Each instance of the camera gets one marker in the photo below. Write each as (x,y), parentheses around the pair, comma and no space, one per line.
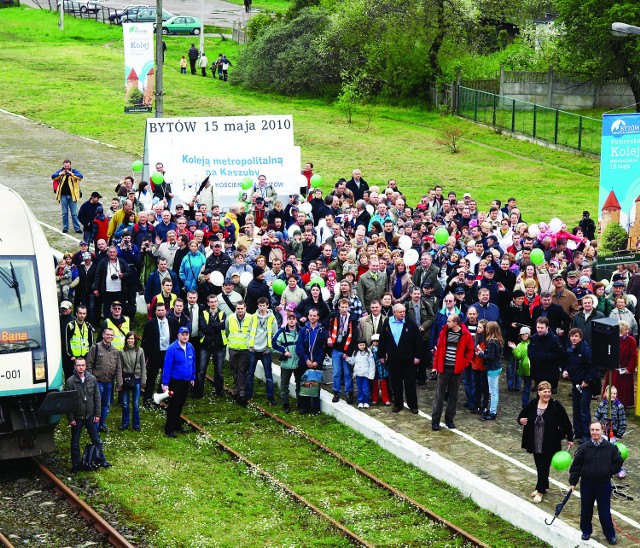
(114,276)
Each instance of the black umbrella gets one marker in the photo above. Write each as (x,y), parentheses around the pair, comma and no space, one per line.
(560,506)
(203,183)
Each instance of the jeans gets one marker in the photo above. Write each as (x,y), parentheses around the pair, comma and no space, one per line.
(362,383)
(285,379)
(341,369)
(133,396)
(76,431)
(581,412)
(68,204)
(265,358)
(106,391)
(86,236)
(589,493)
(526,390)
(218,376)
(492,379)
(513,380)
(468,381)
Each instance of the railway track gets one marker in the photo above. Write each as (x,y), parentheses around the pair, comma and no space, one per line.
(101,530)
(393,493)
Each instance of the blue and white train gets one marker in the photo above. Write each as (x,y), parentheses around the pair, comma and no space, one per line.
(30,347)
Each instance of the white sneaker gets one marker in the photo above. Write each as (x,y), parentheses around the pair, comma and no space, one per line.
(366,406)
(360,405)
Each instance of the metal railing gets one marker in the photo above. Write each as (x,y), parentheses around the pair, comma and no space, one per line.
(546,124)
(85,10)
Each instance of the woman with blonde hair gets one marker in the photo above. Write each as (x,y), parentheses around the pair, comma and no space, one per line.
(400,282)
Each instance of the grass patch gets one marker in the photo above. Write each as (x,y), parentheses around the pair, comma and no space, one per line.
(279,6)
(188,485)
(75,82)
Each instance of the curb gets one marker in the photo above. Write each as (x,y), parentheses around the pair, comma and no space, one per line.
(508,506)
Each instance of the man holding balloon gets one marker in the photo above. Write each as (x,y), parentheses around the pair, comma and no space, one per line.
(594,463)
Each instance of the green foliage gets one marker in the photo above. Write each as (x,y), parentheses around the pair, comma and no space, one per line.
(591,46)
(614,238)
(503,39)
(286,58)
(134,97)
(257,24)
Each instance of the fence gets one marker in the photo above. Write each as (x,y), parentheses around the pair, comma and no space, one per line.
(238,33)
(543,123)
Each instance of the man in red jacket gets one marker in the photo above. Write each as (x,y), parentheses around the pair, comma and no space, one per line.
(453,353)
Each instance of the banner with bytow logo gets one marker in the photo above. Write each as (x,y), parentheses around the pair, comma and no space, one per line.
(139,72)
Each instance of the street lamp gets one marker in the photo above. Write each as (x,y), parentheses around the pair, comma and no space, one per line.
(622,29)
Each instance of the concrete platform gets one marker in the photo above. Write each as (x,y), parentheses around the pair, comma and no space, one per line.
(485,462)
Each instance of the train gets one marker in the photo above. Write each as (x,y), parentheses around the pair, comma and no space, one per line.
(31,377)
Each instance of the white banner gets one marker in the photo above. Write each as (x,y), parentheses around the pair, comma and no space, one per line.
(139,73)
(226,149)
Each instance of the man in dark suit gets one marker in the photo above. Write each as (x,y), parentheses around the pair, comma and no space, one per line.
(400,348)
(357,185)
(559,321)
(159,333)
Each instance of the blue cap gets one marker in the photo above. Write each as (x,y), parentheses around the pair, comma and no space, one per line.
(183,330)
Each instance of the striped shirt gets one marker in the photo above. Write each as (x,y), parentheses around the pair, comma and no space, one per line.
(453,338)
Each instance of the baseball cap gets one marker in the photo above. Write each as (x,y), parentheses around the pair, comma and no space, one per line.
(179,206)
(116,303)
(375,337)
(66,305)
(183,330)
(618,283)
(96,195)
(228,281)
(556,276)
(470,276)
(525,330)
(467,195)
(217,243)
(427,285)
(573,274)
(83,242)
(489,268)
(458,290)
(584,280)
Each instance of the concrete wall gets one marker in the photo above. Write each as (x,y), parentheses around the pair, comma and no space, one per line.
(565,93)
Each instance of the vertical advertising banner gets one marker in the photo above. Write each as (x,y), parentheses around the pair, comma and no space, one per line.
(619,204)
(139,74)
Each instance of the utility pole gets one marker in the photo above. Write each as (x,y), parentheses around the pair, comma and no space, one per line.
(61,11)
(159,62)
(201,26)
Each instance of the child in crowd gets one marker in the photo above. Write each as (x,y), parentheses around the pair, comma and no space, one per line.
(479,374)
(493,367)
(63,279)
(183,65)
(523,367)
(618,421)
(364,368)
(379,383)
(284,341)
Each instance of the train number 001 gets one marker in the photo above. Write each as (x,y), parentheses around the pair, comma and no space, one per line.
(10,374)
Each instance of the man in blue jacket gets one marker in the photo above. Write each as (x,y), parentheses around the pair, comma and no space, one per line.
(178,376)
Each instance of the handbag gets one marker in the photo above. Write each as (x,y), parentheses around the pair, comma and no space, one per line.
(129,380)
(310,383)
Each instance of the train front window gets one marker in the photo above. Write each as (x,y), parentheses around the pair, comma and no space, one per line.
(20,316)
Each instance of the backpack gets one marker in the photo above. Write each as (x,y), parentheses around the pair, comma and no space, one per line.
(90,458)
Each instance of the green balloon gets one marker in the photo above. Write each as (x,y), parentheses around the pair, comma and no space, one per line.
(279,286)
(247,183)
(624,452)
(561,460)
(137,165)
(316,280)
(316,180)
(442,235)
(537,256)
(157,178)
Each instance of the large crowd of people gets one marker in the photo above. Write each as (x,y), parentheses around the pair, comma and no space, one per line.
(353,276)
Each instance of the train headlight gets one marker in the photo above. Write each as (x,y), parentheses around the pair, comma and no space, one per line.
(39,367)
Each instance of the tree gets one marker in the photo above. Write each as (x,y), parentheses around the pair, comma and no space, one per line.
(590,45)
(614,238)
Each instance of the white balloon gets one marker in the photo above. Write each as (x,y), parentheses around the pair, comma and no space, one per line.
(292,230)
(302,181)
(571,245)
(533,230)
(370,209)
(555,225)
(305,207)
(322,223)
(245,278)
(326,294)
(216,278)
(410,257)
(404,242)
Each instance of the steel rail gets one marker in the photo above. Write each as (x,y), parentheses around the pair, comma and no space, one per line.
(350,535)
(379,482)
(85,510)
